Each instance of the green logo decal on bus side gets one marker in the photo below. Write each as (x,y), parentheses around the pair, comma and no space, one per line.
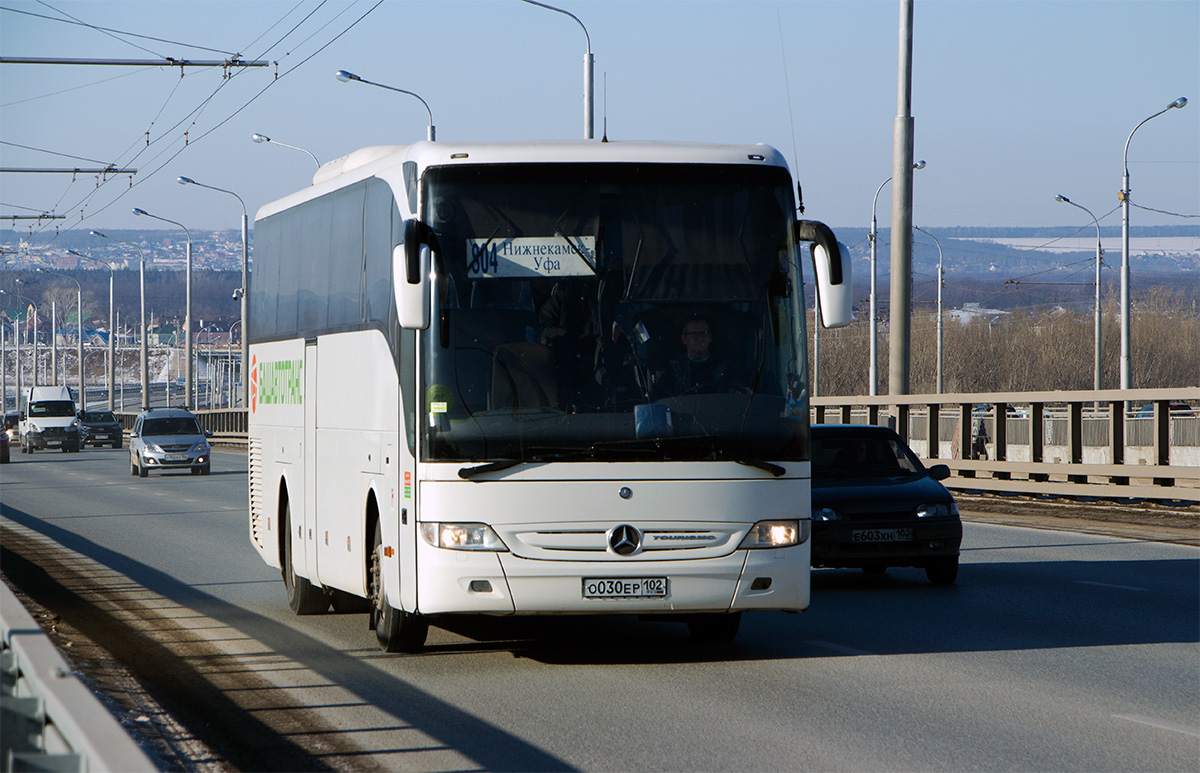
(279,382)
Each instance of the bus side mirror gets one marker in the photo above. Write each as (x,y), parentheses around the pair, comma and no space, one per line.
(831,262)
(410,277)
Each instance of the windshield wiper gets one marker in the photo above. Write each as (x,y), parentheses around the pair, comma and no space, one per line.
(466,473)
(714,453)
(774,469)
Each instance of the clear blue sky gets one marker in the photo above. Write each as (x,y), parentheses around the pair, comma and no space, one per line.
(1013,101)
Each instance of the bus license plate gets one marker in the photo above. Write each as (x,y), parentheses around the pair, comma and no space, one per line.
(882,535)
(624,588)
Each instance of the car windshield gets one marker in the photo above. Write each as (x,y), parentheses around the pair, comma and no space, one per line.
(632,312)
(862,456)
(98,417)
(52,408)
(172,425)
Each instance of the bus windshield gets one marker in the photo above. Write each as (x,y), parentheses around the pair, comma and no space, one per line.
(613,312)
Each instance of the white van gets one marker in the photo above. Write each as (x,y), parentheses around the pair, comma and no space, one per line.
(49,420)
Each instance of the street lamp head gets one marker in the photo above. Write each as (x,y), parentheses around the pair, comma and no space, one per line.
(1062,198)
(260,138)
(345,75)
(1178,103)
(185,180)
(919,165)
(97,233)
(137,211)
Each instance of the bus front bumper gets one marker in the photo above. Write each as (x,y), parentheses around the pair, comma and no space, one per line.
(466,582)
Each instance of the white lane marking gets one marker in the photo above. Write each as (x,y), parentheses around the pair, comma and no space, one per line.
(1108,585)
(1160,723)
(837,648)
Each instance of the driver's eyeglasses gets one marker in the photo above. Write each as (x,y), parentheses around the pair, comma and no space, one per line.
(696,334)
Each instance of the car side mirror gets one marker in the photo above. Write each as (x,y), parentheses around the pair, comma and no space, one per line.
(939,472)
(208,433)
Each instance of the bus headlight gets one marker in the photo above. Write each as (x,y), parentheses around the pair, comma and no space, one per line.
(776,534)
(462,536)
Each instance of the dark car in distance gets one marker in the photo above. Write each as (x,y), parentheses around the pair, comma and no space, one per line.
(100,428)
(12,421)
(874,505)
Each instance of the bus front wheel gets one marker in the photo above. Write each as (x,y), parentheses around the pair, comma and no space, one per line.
(303,598)
(395,629)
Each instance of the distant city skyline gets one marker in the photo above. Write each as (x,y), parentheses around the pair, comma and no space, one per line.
(1014,102)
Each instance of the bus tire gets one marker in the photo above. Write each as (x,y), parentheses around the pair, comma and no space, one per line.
(303,598)
(720,627)
(395,629)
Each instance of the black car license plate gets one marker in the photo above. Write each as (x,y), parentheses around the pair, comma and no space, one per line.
(881,535)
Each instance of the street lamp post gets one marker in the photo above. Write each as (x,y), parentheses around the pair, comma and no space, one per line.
(144,367)
(112,357)
(873,365)
(264,138)
(1124,197)
(940,274)
(17,337)
(35,335)
(188,394)
(242,373)
(242,291)
(1099,254)
(78,331)
(54,342)
(345,76)
(589,65)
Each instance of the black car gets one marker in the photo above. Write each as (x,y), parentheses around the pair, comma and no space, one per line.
(874,505)
(100,428)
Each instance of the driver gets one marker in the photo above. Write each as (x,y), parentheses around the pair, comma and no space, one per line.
(697,369)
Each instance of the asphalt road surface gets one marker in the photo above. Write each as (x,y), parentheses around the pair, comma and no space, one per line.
(1054,651)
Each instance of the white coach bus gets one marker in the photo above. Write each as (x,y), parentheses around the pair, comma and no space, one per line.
(537,378)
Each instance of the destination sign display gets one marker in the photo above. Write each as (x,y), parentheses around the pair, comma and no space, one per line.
(531,257)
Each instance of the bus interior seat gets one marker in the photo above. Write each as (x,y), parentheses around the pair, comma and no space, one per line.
(477,334)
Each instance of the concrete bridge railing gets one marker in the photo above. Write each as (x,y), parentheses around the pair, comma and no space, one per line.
(1137,443)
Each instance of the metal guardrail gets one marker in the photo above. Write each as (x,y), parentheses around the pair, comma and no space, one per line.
(1085,443)
(49,719)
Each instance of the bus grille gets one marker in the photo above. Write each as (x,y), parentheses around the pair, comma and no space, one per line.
(257,505)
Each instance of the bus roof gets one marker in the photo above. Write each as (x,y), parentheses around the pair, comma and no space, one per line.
(377,160)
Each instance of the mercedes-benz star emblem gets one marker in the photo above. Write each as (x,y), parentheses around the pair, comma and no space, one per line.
(625,540)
